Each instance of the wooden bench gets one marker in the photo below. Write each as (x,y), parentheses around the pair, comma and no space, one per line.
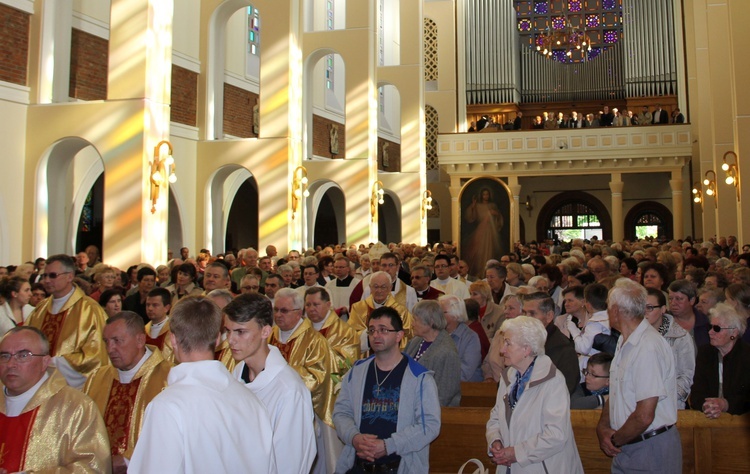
(708,446)
(478,394)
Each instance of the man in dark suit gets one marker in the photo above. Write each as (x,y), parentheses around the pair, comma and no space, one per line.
(659,116)
(677,116)
(517,121)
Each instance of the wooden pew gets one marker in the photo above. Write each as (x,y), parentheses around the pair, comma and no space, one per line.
(708,446)
(478,394)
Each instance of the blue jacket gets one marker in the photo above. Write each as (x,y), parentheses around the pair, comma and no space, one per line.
(418,416)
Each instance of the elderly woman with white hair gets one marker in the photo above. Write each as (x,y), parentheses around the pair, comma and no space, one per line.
(529,429)
(434,349)
(467,341)
(722,368)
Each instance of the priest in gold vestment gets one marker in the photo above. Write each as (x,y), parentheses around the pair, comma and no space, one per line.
(380,295)
(71,321)
(341,337)
(121,391)
(309,353)
(45,425)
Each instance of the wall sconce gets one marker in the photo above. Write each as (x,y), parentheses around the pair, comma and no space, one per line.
(426,203)
(697,193)
(732,171)
(162,170)
(711,186)
(376,198)
(299,187)
(528,205)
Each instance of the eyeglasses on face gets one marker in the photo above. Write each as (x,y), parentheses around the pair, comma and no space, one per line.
(380,287)
(53,275)
(251,287)
(373,331)
(286,311)
(585,373)
(21,356)
(651,307)
(716,327)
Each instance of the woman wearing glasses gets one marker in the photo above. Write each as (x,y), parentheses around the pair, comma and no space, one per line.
(679,340)
(16,291)
(722,369)
(529,429)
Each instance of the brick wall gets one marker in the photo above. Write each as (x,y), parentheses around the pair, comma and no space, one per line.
(322,137)
(14,45)
(88,66)
(184,97)
(238,111)
(394,155)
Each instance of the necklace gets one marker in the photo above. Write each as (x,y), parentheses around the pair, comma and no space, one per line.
(377,381)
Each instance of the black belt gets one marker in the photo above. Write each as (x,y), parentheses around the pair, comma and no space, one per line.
(372,467)
(650,434)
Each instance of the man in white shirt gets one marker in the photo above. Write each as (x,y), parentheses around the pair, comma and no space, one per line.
(199,423)
(637,424)
(248,320)
(310,275)
(342,286)
(443,280)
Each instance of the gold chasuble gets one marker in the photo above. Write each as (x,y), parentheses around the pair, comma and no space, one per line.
(223,354)
(309,353)
(343,340)
(123,405)
(162,341)
(360,314)
(74,333)
(59,428)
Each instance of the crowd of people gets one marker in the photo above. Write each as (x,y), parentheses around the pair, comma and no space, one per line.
(341,358)
(572,119)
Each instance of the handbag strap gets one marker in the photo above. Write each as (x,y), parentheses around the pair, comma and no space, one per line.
(481,469)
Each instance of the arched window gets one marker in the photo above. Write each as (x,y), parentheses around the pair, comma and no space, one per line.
(573,215)
(648,219)
(575,220)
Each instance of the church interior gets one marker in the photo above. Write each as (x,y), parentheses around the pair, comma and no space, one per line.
(142,126)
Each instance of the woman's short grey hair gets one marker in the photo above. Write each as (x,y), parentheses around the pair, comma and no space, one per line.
(730,315)
(430,313)
(536,279)
(297,299)
(454,307)
(285,268)
(526,331)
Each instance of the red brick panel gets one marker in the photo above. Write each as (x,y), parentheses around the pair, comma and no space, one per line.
(394,155)
(238,111)
(89,56)
(322,137)
(14,45)
(184,97)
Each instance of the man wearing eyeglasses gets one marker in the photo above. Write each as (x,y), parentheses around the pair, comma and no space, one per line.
(444,282)
(637,423)
(401,291)
(44,424)
(307,352)
(71,321)
(388,410)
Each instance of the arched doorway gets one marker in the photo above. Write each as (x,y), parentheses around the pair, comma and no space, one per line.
(90,228)
(242,220)
(648,219)
(67,172)
(389,219)
(328,217)
(573,215)
(231,209)
(174,230)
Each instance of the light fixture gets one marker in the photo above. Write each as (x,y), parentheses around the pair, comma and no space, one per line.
(426,203)
(376,197)
(711,186)
(299,187)
(732,171)
(162,170)
(697,193)
(562,36)
(528,205)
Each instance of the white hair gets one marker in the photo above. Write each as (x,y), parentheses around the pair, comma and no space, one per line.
(526,331)
(454,307)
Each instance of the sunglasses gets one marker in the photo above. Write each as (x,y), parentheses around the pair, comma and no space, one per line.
(716,327)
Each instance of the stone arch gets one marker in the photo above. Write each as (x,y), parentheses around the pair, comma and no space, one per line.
(315,127)
(58,207)
(222,188)
(573,197)
(658,214)
(328,202)
(389,218)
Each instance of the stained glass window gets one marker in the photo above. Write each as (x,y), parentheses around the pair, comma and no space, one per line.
(253,31)
(329,59)
(599,21)
(575,220)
